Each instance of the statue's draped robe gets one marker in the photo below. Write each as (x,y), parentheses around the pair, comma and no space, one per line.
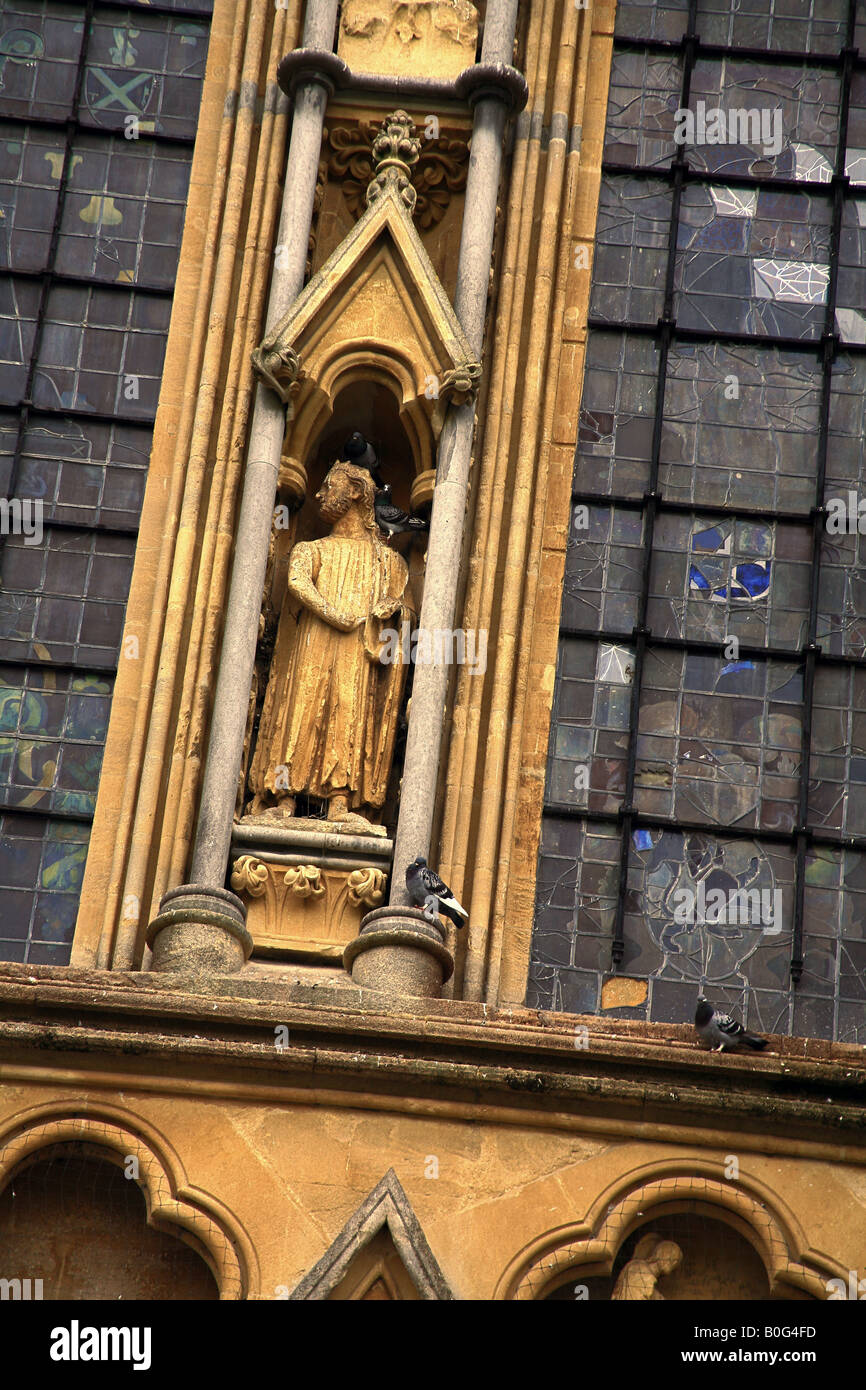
(330,715)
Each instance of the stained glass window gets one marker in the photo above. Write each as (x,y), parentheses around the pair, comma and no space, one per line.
(705,807)
(97,124)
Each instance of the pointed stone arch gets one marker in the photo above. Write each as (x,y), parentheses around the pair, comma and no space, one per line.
(383,1219)
(590,1246)
(375,312)
(172,1206)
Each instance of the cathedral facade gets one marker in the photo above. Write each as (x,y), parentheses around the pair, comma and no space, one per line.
(434,433)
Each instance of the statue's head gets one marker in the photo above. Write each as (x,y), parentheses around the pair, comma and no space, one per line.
(666,1256)
(345,486)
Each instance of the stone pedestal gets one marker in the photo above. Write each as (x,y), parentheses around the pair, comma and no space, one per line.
(306,890)
(199,932)
(400,951)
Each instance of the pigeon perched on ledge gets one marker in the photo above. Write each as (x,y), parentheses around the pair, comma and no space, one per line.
(362,454)
(427,891)
(391,519)
(722,1031)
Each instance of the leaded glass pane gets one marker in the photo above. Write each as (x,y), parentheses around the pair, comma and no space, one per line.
(714,578)
(37,924)
(102,350)
(837,771)
(804,26)
(30,163)
(64,600)
(740,426)
(752,261)
(588,745)
(603,564)
(630,249)
(770,122)
(146,67)
(615,428)
(39,51)
(719,740)
(642,105)
(123,215)
(81,471)
(52,729)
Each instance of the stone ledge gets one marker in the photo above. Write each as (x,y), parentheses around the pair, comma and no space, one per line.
(224,1013)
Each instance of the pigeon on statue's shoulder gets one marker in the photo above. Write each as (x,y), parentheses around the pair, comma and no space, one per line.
(393,520)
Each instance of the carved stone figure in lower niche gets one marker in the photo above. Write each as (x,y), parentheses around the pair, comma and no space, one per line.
(653,1257)
(331,709)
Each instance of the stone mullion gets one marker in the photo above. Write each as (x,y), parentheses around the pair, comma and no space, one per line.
(562,368)
(176,653)
(253,532)
(488,872)
(447,523)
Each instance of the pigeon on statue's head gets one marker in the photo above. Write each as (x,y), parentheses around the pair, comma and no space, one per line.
(721,1031)
(361,453)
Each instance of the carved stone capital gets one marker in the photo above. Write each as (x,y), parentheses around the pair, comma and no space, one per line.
(366,887)
(304,881)
(308,911)
(250,876)
(439,172)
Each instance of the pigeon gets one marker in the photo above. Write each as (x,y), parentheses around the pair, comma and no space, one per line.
(362,454)
(427,891)
(721,1030)
(391,519)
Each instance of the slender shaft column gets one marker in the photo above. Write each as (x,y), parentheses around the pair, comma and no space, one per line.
(238,654)
(444,550)
(200,929)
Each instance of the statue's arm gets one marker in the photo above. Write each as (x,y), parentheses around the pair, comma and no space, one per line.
(394,599)
(302,585)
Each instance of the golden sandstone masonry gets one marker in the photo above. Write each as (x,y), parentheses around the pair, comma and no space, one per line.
(321,1091)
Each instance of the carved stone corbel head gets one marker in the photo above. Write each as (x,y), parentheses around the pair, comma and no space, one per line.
(278,367)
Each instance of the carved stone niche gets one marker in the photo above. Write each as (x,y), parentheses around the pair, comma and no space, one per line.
(375,315)
(405,38)
(305,900)
(371,344)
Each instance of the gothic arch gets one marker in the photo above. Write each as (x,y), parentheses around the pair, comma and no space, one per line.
(664,1189)
(172,1204)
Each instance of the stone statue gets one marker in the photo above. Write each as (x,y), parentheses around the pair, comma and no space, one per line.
(330,714)
(652,1258)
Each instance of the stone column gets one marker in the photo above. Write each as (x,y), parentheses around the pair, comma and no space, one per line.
(399,950)
(202,920)
(493,87)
